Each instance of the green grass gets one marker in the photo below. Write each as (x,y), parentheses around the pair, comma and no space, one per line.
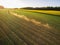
(44,18)
(17,31)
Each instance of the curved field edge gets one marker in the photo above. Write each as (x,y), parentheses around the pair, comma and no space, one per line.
(53,21)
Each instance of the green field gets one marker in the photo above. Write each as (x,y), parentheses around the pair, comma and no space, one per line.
(23,27)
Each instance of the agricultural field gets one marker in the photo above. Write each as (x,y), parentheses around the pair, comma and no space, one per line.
(28,27)
(51,12)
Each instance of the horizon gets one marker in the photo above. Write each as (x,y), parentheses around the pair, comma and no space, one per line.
(29,3)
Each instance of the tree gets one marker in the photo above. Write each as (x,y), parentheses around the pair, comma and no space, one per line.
(1,7)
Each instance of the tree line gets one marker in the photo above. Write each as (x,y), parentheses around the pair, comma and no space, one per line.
(42,8)
(37,8)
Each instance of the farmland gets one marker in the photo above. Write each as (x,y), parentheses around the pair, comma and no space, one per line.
(25,27)
(53,12)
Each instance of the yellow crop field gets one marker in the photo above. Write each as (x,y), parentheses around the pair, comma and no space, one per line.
(53,12)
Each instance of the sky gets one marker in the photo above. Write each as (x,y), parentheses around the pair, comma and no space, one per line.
(29,3)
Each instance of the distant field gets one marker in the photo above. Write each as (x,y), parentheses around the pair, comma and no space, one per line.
(53,12)
(25,27)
